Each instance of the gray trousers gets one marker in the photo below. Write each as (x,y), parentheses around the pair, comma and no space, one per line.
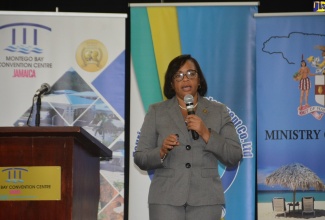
(186,212)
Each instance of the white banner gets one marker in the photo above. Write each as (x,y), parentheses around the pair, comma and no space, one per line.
(81,57)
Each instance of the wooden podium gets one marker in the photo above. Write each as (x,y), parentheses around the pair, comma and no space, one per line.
(74,150)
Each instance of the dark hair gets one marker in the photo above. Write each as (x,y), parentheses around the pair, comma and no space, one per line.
(173,67)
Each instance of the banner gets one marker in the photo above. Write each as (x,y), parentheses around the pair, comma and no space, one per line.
(290,108)
(222,38)
(81,58)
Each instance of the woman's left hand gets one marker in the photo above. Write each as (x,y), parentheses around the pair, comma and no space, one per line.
(195,123)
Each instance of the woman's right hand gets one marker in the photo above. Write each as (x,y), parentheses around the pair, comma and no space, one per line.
(168,144)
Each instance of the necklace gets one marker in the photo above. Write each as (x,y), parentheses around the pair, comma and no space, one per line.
(186,108)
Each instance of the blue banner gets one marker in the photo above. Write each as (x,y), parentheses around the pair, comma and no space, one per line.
(290,108)
(224,45)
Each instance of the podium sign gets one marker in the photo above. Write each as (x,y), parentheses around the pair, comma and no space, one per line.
(30,183)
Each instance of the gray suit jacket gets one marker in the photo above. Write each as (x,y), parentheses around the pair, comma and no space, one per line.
(189,174)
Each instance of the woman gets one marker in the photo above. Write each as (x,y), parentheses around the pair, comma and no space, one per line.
(186,184)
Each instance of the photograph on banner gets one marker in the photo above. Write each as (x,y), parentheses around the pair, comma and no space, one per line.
(56,72)
(290,108)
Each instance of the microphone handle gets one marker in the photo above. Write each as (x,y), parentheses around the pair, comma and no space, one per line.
(195,135)
(38,111)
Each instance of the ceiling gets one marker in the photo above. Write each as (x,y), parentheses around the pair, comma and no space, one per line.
(122,6)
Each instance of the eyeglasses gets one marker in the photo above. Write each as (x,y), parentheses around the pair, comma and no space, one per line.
(190,74)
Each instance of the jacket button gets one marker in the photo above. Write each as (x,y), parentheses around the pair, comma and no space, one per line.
(188,165)
(188,147)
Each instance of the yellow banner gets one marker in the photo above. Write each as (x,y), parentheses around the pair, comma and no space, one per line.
(165,37)
(30,183)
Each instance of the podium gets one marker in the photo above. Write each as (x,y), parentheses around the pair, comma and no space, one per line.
(74,150)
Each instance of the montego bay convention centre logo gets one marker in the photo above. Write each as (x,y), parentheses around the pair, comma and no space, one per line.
(22,52)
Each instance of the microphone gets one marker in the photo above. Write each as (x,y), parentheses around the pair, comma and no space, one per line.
(45,88)
(188,99)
